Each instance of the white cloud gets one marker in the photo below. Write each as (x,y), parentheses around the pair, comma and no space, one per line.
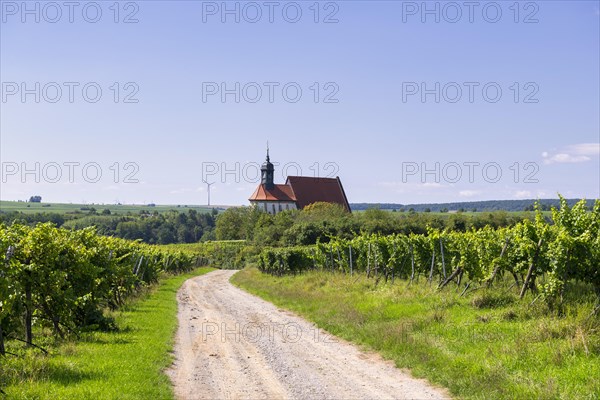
(575,153)
(180,191)
(469,193)
(522,194)
(565,158)
(585,149)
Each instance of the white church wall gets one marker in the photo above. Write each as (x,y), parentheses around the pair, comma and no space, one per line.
(274,207)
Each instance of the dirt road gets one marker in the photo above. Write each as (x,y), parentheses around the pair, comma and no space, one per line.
(233,345)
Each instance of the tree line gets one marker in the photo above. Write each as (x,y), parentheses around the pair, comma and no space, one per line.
(473,206)
(150,227)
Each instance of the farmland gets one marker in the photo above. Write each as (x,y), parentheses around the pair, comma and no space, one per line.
(74,209)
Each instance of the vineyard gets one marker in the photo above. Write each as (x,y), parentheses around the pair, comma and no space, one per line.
(62,279)
(540,257)
(226,254)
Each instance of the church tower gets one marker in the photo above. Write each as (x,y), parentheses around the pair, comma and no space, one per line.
(267,172)
(296,193)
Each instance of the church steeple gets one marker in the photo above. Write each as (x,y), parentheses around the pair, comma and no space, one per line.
(267,172)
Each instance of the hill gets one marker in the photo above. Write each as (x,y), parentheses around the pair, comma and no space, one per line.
(487,205)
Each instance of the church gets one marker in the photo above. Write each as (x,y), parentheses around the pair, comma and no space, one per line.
(297,192)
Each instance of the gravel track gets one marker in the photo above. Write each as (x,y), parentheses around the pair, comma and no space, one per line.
(233,345)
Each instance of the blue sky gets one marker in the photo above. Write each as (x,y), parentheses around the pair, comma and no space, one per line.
(367,122)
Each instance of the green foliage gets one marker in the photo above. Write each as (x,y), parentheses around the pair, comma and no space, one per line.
(575,251)
(127,362)
(226,254)
(279,261)
(320,211)
(318,222)
(152,227)
(236,223)
(565,251)
(64,278)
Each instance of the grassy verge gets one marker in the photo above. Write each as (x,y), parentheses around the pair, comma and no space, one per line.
(483,345)
(125,364)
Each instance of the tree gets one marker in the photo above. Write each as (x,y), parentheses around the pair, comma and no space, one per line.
(322,210)
(235,223)
(35,199)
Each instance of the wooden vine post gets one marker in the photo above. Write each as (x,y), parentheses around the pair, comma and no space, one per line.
(412,261)
(28,310)
(443,262)
(369,262)
(350,258)
(432,264)
(530,270)
(331,255)
(491,279)
(375,261)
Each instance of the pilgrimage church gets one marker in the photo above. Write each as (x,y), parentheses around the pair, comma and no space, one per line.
(297,192)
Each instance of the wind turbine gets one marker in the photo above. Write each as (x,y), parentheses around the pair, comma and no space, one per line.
(208,185)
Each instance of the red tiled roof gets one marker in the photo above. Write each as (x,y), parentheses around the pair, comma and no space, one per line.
(308,190)
(278,193)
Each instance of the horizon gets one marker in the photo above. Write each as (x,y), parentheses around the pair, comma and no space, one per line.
(248,205)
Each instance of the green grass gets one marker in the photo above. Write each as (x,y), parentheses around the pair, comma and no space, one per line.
(484,345)
(126,364)
(63,208)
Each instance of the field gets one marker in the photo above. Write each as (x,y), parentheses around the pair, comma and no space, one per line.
(64,208)
(482,345)
(123,364)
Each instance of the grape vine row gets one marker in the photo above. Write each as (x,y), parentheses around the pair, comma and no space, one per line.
(63,279)
(567,249)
